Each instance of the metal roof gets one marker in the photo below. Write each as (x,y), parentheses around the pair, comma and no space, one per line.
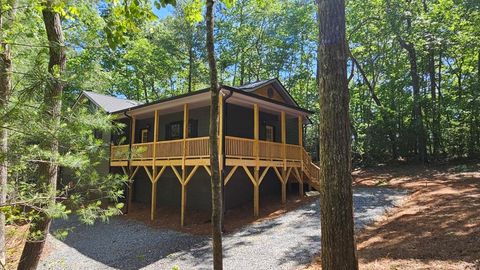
(109,103)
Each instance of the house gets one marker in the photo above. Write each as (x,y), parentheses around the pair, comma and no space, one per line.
(166,155)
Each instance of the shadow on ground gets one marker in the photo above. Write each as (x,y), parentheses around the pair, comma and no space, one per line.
(439,222)
(285,242)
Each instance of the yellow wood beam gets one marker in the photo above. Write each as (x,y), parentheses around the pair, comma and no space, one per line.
(175,171)
(300,181)
(150,176)
(183,205)
(249,174)
(289,170)
(190,175)
(134,172)
(160,173)
(284,138)
(263,175)
(256,203)
(153,207)
(132,130)
(207,169)
(256,133)
(230,174)
(256,196)
(278,174)
(300,131)
(284,192)
(155,138)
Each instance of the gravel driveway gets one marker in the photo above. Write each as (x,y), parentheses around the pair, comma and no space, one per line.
(286,242)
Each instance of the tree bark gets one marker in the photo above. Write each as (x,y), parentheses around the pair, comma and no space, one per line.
(420,140)
(6,20)
(216,180)
(336,207)
(190,62)
(52,111)
(435,111)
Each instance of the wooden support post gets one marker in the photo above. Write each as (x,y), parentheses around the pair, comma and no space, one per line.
(284,139)
(256,189)
(185,134)
(130,181)
(300,143)
(300,189)
(256,123)
(154,179)
(184,204)
(153,209)
(283,129)
(256,152)
(256,204)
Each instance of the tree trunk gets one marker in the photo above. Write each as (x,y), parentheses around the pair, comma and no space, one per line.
(435,112)
(420,140)
(216,181)
(6,20)
(336,207)
(52,111)
(190,64)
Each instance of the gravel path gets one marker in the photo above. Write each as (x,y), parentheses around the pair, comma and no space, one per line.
(286,242)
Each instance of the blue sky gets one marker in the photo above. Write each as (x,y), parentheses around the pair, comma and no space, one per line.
(163,12)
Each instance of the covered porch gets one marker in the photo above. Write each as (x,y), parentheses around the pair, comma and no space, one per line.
(252,137)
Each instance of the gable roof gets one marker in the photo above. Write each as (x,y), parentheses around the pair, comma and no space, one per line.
(109,104)
(116,105)
(252,87)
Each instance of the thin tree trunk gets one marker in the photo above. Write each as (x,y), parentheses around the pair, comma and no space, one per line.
(336,208)
(435,112)
(6,20)
(420,140)
(190,64)
(52,111)
(216,180)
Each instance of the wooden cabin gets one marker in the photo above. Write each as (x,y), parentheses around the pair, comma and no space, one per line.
(164,148)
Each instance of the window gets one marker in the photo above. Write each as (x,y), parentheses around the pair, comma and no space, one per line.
(270,92)
(269,133)
(174,130)
(144,137)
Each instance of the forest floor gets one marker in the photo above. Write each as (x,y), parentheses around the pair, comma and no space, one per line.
(436,227)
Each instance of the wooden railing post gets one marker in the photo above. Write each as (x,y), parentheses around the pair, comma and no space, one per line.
(300,144)
(256,120)
(185,133)
(154,168)
(256,152)
(130,180)
(284,139)
(184,171)
(284,156)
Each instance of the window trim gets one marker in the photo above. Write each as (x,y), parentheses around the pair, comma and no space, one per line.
(142,132)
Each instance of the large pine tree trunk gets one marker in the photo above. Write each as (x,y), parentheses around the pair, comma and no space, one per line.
(52,111)
(6,20)
(5,87)
(216,180)
(336,206)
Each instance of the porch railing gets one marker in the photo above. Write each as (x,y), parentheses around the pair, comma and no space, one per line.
(235,147)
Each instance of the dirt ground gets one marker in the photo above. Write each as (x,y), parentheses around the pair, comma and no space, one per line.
(436,227)
(198,222)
